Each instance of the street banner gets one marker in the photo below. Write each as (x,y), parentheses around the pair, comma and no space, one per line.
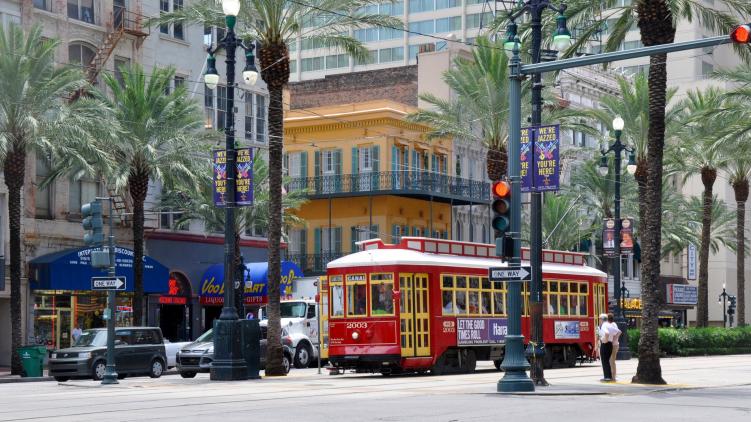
(243,177)
(547,142)
(627,236)
(540,169)
(608,237)
(691,262)
(481,330)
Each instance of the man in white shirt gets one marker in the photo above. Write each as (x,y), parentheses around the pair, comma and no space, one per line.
(615,334)
(606,348)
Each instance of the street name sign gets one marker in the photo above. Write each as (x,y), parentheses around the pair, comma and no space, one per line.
(108,283)
(522,273)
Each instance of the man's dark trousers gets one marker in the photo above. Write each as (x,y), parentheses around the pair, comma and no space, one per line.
(606,349)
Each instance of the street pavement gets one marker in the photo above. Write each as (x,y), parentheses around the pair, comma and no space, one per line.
(699,389)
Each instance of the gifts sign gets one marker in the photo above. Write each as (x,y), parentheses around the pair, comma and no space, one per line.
(540,168)
(243,177)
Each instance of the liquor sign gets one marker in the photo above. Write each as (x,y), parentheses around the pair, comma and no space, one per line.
(481,330)
(243,177)
(608,237)
(544,173)
(682,294)
(691,262)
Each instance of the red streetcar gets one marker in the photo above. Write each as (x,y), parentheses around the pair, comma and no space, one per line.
(427,304)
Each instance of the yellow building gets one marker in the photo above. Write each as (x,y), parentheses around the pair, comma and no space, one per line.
(369,173)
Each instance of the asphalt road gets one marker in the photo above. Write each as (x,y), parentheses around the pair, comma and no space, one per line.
(705,388)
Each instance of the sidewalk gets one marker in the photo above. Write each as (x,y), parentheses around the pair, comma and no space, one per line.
(6,377)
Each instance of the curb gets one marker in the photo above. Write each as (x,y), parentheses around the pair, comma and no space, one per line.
(10,380)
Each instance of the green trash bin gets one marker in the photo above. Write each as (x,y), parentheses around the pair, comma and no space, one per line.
(32,359)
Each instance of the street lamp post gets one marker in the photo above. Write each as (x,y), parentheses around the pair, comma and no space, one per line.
(229,363)
(723,297)
(561,41)
(617,148)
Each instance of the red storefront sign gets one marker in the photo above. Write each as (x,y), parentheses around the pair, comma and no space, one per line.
(173,300)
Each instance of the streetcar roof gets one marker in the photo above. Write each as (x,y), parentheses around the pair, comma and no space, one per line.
(384,257)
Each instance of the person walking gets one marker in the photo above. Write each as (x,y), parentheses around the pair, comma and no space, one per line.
(615,335)
(606,348)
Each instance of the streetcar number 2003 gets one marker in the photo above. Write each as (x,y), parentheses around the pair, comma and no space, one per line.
(351,325)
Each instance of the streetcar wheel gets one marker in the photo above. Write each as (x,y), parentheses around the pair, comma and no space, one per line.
(547,358)
(188,374)
(470,362)
(571,356)
(440,366)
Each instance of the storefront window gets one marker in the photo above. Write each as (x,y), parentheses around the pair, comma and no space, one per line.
(381,287)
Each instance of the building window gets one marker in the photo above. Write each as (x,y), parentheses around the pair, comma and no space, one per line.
(337,61)
(82,10)
(477,20)
(80,54)
(458,234)
(260,118)
(372,58)
(312,64)
(81,192)
(329,166)
(221,107)
(177,28)
(446,4)
(416,6)
(164,8)
(43,4)
(121,65)
(42,197)
(421,27)
(179,81)
(706,69)
(394,54)
(208,104)
(452,23)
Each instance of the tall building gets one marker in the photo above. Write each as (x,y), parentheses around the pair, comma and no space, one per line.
(105,37)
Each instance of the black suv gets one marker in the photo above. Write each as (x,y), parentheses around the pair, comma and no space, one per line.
(138,351)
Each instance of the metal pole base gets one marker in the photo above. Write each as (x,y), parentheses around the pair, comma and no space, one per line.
(110,376)
(229,362)
(624,353)
(515,366)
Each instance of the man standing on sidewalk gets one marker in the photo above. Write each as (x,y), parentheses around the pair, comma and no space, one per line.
(606,348)
(615,334)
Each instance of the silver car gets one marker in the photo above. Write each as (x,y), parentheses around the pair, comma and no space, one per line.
(197,356)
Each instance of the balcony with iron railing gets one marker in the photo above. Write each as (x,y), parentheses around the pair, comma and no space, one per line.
(314,264)
(415,184)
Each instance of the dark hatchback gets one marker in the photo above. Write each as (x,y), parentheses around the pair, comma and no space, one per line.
(138,351)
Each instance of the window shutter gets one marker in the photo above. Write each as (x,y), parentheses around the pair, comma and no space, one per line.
(355,160)
(338,240)
(433,163)
(338,170)
(317,240)
(376,166)
(317,171)
(304,164)
(415,162)
(395,233)
(303,242)
(394,157)
(374,232)
(353,234)
(286,165)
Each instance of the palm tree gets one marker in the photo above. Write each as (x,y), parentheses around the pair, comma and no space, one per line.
(36,117)
(700,153)
(739,171)
(273,24)
(561,226)
(197,203)
(160,132)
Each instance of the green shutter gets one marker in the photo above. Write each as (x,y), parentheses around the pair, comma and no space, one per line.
(338,170)
(374,232)
(338,240)
(394,158)
(353,238)
(317,170)
(304,164)
(395,233)
(317,252)
(286,164)
(355,160)
(304,241)
(376,167)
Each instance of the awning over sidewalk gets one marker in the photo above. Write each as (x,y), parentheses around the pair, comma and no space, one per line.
(71,270)
(256,283)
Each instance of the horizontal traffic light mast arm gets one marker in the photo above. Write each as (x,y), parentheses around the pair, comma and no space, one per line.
(615,56)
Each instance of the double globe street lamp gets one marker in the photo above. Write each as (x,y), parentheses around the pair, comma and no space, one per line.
(617,148)
(229,363)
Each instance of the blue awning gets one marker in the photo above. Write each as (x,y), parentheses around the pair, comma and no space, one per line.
(256,278)
(71,270)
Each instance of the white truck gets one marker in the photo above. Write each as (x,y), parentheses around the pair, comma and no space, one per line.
(300,318)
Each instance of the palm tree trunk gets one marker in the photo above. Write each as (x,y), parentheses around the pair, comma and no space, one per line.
(276,132)
(741,196)
(14,171)
(496,161)
(708,177)
(138,185)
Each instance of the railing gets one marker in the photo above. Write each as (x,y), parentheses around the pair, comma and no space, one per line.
(314,264)
(130,22)
(395,182)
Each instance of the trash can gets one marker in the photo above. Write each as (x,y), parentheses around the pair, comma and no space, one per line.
(32,359)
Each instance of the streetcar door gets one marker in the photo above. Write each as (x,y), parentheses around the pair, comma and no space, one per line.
(599,303)
(414,316)
(422,315)
(406,315)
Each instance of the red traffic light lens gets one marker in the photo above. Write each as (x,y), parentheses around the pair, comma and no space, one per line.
(741,34)
(501,189)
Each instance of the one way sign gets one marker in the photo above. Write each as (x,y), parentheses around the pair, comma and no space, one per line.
(107,283)
(510,274)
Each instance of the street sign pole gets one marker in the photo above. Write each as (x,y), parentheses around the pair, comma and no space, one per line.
(110,374)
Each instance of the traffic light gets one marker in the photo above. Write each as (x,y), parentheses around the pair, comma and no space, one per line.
(93,223)
(502,218)
(741,34)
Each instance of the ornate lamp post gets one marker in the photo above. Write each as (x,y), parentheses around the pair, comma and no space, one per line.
(229,363)
(617,148)
(561,41)
(724,296)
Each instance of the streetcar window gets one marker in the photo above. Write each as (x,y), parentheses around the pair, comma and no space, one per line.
(381,298)
(474,302)
(499,305)
(485,303)
(461,301)
(565,298)
(337,297)
(448,301)
(357,295)
(448,281)
(461,282)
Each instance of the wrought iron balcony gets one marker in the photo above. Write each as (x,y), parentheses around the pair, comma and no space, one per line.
(416,184)
(314,264)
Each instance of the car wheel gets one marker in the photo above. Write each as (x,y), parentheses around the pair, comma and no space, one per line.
(157,368)
(98,370)
(188,374)
(303,355)
(286,363)
(62,379)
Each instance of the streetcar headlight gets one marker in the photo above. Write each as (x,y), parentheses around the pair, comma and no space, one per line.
(355,335)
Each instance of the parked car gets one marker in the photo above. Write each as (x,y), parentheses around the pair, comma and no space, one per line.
(138,351)
(171,349)
(197,356)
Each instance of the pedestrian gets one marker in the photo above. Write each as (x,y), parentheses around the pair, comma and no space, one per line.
(615,334)
(606,348)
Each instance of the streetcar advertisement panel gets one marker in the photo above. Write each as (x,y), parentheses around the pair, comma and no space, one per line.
(481,330)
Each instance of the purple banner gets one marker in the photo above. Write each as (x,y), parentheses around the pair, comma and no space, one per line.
(481,330)
(243,177)
(539,171)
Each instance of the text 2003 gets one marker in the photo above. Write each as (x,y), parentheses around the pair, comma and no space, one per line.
(351,325)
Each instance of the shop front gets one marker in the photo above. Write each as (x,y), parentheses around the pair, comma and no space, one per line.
(256,288)
(64,303)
